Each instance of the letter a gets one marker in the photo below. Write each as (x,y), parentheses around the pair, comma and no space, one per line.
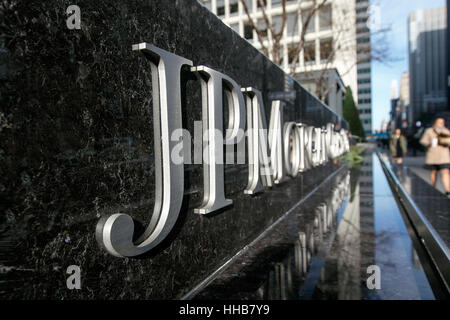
(374,281)
(74,281)
(74,20)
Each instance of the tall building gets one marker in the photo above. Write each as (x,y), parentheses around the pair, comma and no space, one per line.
(394,123)
(404,102)
(330,33)
(363,65)
(394,100)
(400,104)
(427,62)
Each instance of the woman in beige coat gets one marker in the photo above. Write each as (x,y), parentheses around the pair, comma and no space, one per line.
(438,152)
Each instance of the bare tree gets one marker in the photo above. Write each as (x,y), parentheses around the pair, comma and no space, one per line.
(340,42)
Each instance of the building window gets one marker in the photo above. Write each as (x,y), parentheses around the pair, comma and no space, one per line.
(276,2)
(361,81)
(292,24)
(365,90)
(258,4)
(220,8)
(249,4)
(309,52)
(363,49)
(326,50)
(361,10)
(293,56)
(262,28)
(363,40)
(361,20)
(362,30)
(325,18)
(311,27)
(368,100)
(248,31)
(277,23)
(364,70)
(234,7)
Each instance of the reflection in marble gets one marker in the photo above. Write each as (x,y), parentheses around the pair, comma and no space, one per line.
(280,284)
(277,265)
(324,252)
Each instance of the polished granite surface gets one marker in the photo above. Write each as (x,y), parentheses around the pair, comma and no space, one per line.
(434,205)
(77,144)
(322,250)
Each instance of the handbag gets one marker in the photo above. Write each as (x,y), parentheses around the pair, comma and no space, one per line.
(444,141)
(443,137)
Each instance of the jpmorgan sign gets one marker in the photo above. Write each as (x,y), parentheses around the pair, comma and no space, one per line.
(278,152)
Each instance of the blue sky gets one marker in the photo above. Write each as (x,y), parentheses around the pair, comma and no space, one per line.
(394,14)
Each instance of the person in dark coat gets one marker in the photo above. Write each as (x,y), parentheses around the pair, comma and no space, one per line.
(397,146)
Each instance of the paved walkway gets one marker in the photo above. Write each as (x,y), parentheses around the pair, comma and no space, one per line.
(416,165)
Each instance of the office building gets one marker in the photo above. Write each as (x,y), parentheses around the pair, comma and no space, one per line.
(427,62)
(336,43)
(364,92)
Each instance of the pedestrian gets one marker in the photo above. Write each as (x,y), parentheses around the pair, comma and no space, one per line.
(436,139)
(397,145)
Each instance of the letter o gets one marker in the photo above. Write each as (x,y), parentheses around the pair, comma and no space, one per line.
(292,165)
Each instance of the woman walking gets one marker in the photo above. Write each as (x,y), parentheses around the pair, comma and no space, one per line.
(397,145)
(436,139)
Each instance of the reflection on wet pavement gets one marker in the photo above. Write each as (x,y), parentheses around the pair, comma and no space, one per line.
(324,248)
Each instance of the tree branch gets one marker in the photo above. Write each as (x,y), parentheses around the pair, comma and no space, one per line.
(253,26)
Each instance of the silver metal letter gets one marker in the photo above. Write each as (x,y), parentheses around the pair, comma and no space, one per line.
(316,137)
(259,162)
(276,141)
(291,148)
(212,83)
(306,162)
(116,232)
(323,149)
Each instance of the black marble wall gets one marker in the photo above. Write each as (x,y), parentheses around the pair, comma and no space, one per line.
(76,144)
